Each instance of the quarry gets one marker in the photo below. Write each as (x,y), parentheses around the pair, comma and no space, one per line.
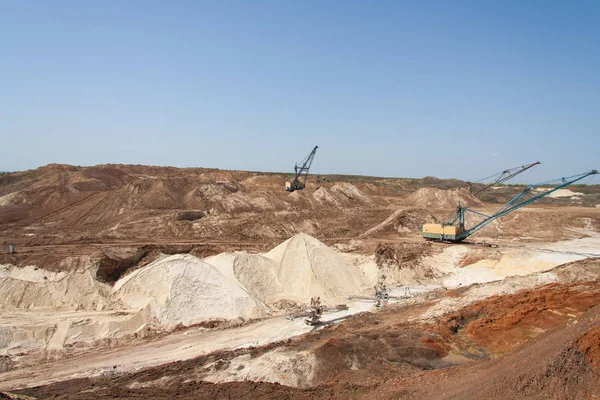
(145,282)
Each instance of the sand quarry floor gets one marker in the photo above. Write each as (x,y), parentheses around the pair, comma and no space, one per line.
(181,307)
(152,282)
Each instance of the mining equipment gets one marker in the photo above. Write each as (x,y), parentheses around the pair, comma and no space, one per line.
(503,176)
(315,312)
(382,296)
(465,222)
(298,182)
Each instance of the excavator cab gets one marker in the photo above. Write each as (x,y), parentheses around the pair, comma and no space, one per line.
(290,187)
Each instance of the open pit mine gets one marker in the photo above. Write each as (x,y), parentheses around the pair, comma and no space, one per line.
(121,281)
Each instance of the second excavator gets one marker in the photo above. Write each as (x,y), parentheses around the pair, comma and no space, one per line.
(298,182)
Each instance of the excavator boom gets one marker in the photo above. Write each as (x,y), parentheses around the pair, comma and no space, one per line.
(505,175)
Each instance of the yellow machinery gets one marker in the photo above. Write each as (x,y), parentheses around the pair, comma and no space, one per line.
(442,232)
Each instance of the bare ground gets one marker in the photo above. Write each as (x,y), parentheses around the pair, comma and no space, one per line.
(538,343)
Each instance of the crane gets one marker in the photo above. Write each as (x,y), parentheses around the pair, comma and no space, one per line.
(505,175)
(465,222)
(301,173)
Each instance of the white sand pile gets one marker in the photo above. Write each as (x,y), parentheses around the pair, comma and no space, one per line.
(184,289)
(307,268)
(565,193)
(32,288)
(255,273)
(439,198)
(22,332)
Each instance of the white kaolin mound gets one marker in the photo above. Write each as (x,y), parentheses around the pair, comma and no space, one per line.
(32,288)
(256,273)
(185,289)
(306,268)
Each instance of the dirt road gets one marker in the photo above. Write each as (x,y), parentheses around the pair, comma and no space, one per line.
(174,347)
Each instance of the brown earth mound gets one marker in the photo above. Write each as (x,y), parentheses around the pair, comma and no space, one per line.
(547,224)
(429,198)
(589,345)
(500,323)
(412,220)
(403,255)
(60,204)
(133,204)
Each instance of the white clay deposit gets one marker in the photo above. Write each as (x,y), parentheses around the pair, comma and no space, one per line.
(563,193)
(185,289)
(32,288)
(44,310)
(308,268)
(254,272)
(298,269)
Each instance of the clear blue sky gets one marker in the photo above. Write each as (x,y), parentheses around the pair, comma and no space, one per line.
(391,88)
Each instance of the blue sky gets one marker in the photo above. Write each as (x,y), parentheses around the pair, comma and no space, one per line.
(389,88)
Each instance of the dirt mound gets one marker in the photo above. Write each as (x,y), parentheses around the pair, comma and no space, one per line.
(402,262)
(324,196)
(340,195)
(350,192)
(411,220)
(402,255)
(61,204)
(264,182)
(431,180)
(547,226)
(589,346)
(77,196)
(100,178)
(429,198)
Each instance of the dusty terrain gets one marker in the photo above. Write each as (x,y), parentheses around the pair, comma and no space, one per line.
(137,281)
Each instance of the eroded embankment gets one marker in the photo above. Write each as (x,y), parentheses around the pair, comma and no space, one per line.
(499,323)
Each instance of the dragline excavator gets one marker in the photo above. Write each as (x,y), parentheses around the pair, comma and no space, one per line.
(298,182)
(465,222)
